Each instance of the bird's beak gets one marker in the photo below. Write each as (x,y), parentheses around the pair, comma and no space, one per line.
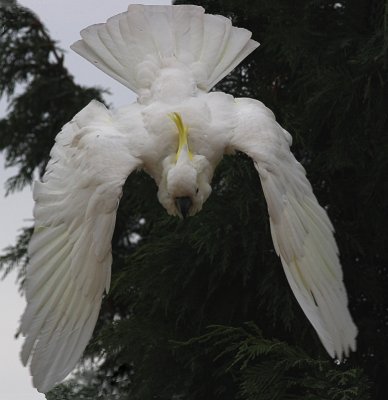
(183,205)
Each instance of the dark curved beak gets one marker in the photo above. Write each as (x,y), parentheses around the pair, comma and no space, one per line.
(183,204)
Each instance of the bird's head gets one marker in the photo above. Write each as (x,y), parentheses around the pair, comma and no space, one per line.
(185,184)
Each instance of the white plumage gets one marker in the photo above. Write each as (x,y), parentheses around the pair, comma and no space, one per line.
(133,46)
(171,56)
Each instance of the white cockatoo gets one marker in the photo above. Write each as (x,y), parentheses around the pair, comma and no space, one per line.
(170,56)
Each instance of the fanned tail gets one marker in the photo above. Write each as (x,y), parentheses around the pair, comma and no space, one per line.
(132,46)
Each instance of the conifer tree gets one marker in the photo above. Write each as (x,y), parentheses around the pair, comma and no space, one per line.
(201,309)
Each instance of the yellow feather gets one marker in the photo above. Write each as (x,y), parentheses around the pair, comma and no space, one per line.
(183,134)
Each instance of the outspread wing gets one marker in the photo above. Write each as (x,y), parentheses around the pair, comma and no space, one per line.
(301,230)
(70,250)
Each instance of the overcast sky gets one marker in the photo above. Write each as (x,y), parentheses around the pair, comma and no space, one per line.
(64,19)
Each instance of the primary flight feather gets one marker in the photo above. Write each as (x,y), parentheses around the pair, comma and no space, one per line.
(170,56)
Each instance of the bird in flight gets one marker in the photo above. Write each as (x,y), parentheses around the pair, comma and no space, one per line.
(177,131)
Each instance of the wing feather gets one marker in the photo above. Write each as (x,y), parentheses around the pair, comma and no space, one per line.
(301,230)
(70,250)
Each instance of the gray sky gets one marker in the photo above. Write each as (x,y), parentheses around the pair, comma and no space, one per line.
(64,19)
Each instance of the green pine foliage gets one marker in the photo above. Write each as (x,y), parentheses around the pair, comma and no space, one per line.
(200,309)
(42,94)
(271,369)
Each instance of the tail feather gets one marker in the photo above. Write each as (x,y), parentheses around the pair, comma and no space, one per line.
(233,54)
(208,44)
(218,28)
(188,28)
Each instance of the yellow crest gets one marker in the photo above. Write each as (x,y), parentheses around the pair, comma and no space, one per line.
(182,132)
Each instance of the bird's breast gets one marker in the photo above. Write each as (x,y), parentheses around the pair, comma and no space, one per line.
(195,115)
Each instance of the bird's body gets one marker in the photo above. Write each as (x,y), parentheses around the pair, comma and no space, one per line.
(177,132)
